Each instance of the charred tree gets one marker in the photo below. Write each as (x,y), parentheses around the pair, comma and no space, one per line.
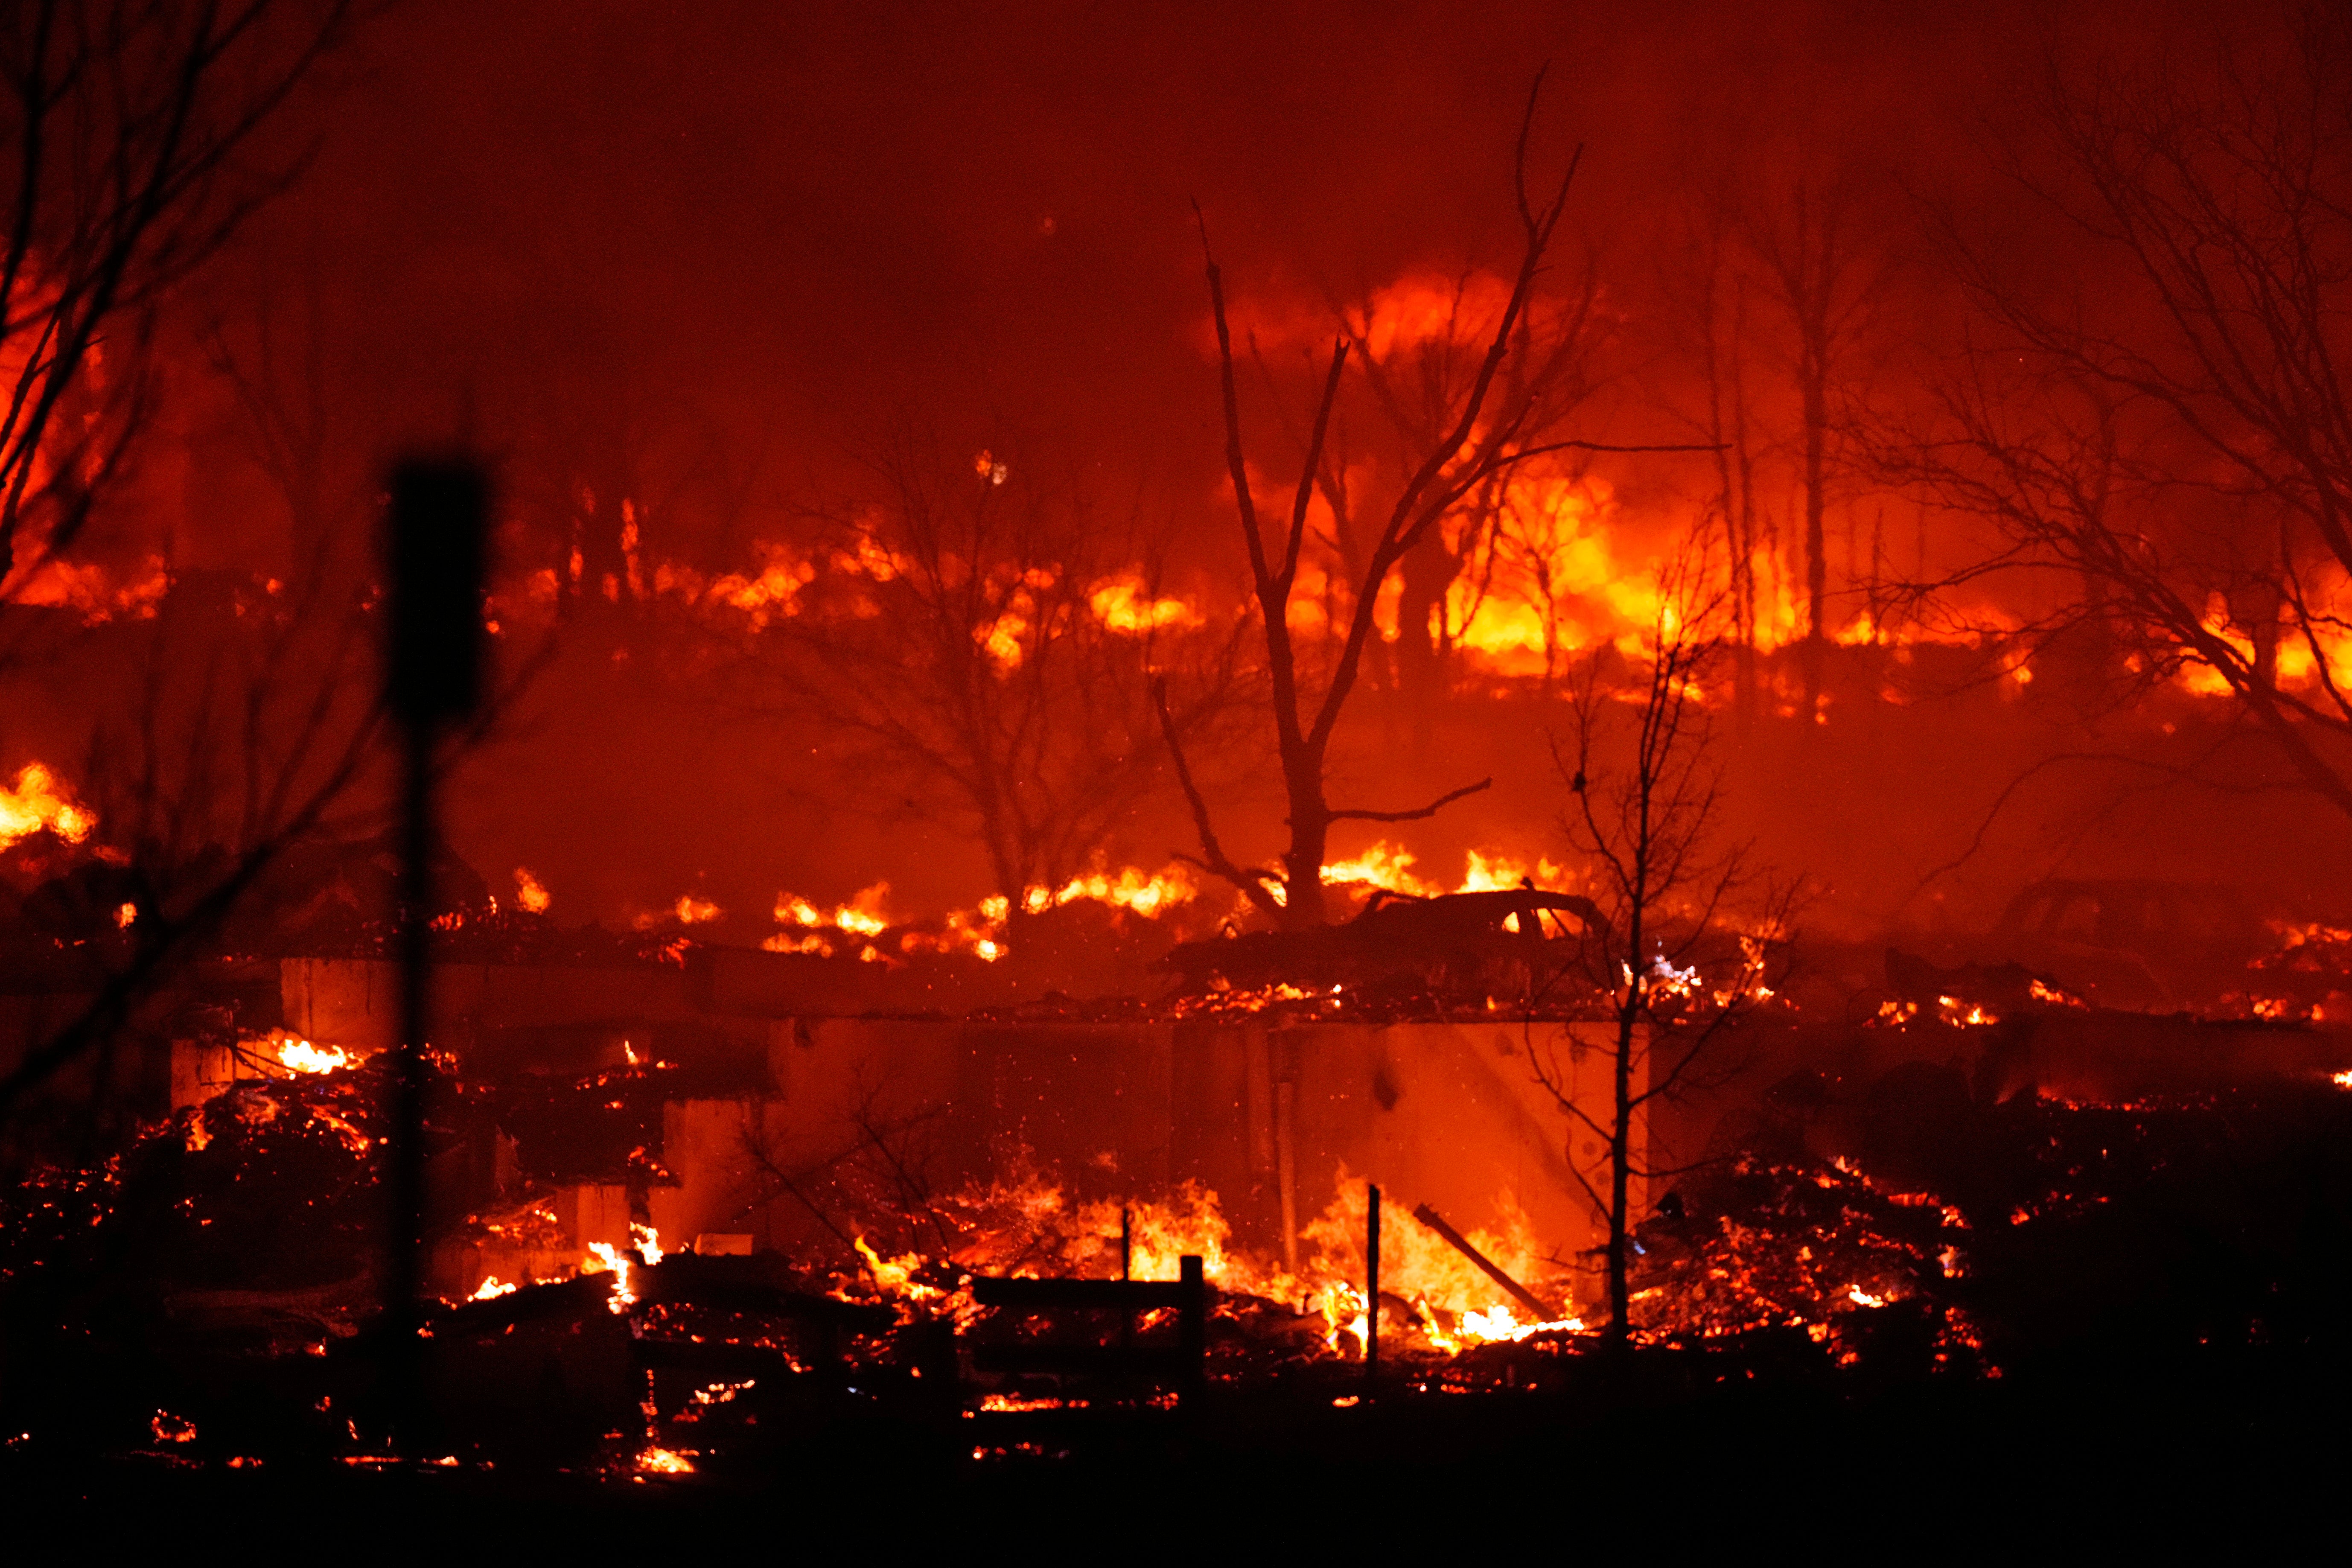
(2171,441)
(1811,267)
(978,642)
(125,134)
(1645,810)
(1415,386)
(1483,433)
(1709,305)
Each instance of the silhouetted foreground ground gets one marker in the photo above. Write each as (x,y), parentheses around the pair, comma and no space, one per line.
(2162,1291)
(2225,1449)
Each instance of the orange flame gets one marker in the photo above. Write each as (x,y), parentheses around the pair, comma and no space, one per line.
(301,1056)
(38,800)
(1036,1227)
(1125,604)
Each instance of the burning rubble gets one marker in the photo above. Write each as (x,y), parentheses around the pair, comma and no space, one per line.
(699,1204)
(971,975)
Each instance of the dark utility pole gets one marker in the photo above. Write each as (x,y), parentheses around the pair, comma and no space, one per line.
(433,679)
(1371,1289)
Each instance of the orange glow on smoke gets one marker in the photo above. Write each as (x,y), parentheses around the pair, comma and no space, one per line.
(91,592)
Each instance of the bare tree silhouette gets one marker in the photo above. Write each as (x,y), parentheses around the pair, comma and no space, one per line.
(127,128)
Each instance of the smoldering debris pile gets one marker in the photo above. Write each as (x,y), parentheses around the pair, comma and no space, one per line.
(207,1297)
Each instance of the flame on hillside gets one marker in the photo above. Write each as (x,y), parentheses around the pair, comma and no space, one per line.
(867,926)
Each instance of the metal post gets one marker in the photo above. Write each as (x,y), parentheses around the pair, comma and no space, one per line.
(1285,1177)
(1192,1318)
(404,1280)
(1371,1289)
(1126,1271)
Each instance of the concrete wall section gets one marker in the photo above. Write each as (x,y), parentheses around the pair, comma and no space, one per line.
(355,1002)
(1451,1115)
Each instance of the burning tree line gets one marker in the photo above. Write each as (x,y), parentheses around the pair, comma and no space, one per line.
(1005,656)
(1457,508)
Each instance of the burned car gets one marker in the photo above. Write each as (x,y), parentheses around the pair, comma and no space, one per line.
(1503,942)
(2135,943)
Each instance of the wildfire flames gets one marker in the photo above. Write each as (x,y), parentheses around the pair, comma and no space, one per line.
(1029,1226)
(39,800)
(529,891)
(301,1056)
(867,926)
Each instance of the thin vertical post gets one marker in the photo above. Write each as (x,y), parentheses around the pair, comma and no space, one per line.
(1373,1288)
(1286,1172)
(1126,1271)
(435,549)
(1192,1318)
(405,1280)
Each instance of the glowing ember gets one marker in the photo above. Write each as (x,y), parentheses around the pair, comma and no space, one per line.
(1959,1015)
(998,1402)
(664,1462)
(490,1289)
(722,1392)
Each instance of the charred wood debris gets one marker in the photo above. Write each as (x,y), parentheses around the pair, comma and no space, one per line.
(1901,1195)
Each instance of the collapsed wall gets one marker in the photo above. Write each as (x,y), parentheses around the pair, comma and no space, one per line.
(782,1073)
(1269,1119)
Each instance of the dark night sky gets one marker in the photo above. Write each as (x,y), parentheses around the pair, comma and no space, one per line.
(809,214)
